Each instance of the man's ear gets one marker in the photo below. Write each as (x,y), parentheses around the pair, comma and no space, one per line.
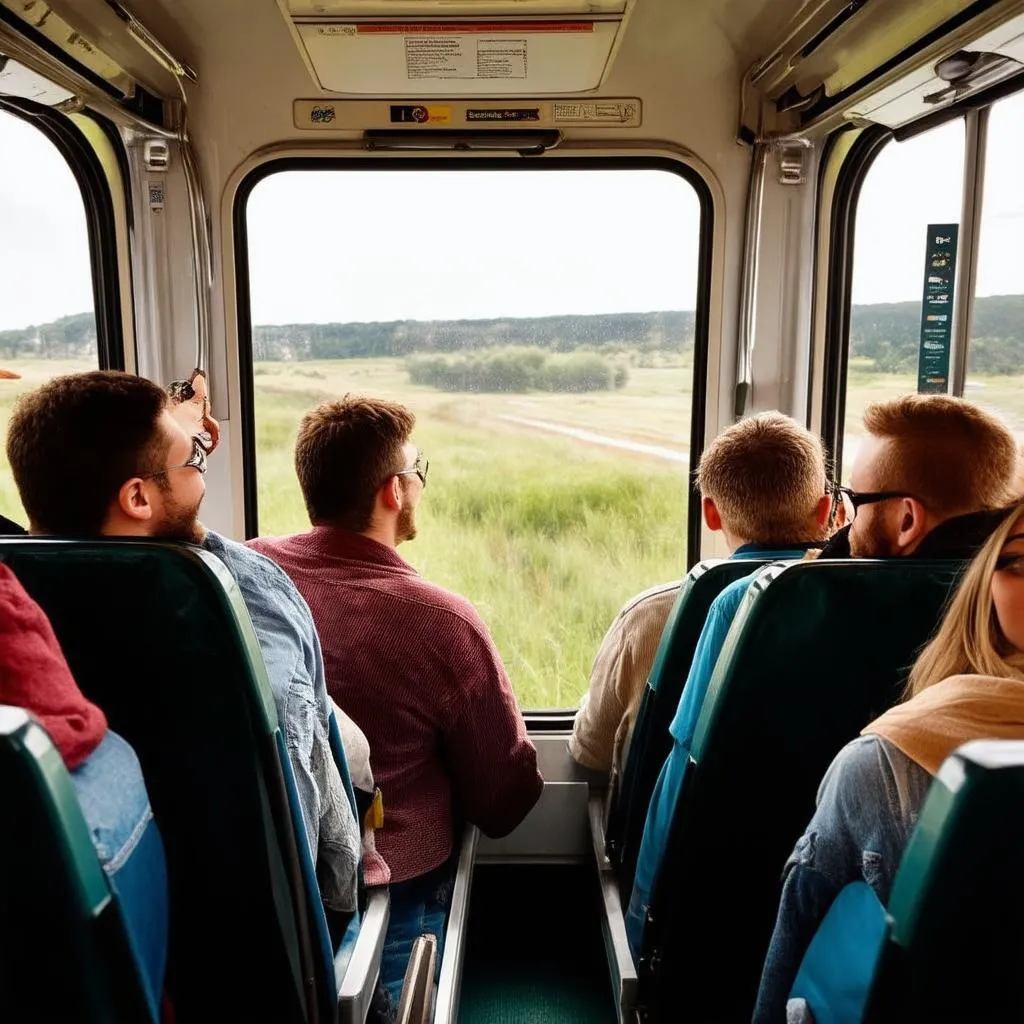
(911,525)
(711,515)
(390,494)
(823,510)
(133,500)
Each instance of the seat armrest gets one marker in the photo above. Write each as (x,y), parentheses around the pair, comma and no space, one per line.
(450,983)
(356,975)
(613,925)
(417,1002)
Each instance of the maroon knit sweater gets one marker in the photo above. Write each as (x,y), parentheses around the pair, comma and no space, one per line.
(415,668)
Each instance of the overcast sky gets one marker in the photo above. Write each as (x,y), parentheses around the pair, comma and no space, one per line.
(380,246)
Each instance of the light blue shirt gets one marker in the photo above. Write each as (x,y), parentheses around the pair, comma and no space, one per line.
(666,791)
(291,652)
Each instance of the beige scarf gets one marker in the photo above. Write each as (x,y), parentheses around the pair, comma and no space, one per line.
(930,726)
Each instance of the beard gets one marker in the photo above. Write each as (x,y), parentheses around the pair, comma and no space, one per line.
(405,527)
(874,542)
(180,522)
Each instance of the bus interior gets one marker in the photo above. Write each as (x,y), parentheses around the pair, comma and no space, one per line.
(579,239)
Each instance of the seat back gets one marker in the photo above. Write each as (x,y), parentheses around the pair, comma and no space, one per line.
(158,636)
(67,952)
(955,940)
(651,743)
(816,651)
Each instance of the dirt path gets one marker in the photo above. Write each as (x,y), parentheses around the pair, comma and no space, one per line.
(670,454)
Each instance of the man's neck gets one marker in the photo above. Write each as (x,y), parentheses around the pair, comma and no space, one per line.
(382,533)
(733,541)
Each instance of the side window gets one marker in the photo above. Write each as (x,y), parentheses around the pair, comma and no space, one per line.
(540,324)
(910,185)
(995,358)
(47,322)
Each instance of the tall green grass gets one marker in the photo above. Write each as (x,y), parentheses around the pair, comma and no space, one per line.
(547,537)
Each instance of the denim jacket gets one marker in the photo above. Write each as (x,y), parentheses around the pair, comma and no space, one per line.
(295,666)
(868,804)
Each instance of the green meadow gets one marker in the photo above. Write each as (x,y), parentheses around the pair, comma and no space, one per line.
(547,534)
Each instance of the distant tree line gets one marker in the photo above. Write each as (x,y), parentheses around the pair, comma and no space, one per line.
(515,370)
(70,337)
(611,331)
(889,335)
(885,333)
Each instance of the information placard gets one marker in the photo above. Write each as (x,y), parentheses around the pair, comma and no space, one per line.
(937,309)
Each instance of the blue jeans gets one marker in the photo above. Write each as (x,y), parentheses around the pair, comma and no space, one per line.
(115,805)
(419,906)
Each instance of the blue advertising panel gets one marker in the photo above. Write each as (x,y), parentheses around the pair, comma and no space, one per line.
(937,309)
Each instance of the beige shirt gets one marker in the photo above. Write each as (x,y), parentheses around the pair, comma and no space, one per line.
(604,723)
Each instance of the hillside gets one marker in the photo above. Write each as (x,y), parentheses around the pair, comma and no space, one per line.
(885,333)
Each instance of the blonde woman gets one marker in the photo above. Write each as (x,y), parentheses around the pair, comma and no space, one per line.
(968,683)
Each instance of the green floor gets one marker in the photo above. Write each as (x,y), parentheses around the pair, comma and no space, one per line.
(534,951)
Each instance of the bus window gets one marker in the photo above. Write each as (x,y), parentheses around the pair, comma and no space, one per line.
(47,322)
(995,358)
(540,324)
(910,185)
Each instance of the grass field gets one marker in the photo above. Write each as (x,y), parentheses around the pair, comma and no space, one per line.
(546,534)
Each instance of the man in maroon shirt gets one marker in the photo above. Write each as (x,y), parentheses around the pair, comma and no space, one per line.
(412,663)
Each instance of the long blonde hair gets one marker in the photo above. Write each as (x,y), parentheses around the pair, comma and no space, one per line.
(969,640)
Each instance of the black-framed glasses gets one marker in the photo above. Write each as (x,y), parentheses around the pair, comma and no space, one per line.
(852,500)
(196,460)
(419,467)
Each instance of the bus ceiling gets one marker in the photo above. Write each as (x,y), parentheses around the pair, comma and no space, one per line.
(482,62)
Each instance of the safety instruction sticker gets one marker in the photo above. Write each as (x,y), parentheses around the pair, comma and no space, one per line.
(464,57)
(937,309)
(499,57)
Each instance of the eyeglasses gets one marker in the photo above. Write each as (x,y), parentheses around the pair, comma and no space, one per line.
(852,500)
(197,460)
(419,467)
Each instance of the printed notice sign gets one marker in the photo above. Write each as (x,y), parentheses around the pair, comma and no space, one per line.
(937,309)
(459,56)
(501,58)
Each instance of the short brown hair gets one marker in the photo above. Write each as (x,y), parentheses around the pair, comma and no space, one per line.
(946,452)
(344,452)
(766,476)
(74,441)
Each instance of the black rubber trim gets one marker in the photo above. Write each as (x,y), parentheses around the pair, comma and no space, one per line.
(553,164)
(838,287)
(99,217)
(542,721)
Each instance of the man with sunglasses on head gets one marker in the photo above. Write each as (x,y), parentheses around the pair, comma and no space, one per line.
(100,455)
(411,662)
(929,477)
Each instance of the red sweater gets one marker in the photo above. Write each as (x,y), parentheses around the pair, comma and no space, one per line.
(414,666)
(35,676)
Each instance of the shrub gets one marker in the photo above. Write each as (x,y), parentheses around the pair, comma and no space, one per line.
(515,370)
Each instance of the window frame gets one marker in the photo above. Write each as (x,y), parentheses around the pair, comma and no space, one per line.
(538,720)
(839,282)
(101,225)
(553,164)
